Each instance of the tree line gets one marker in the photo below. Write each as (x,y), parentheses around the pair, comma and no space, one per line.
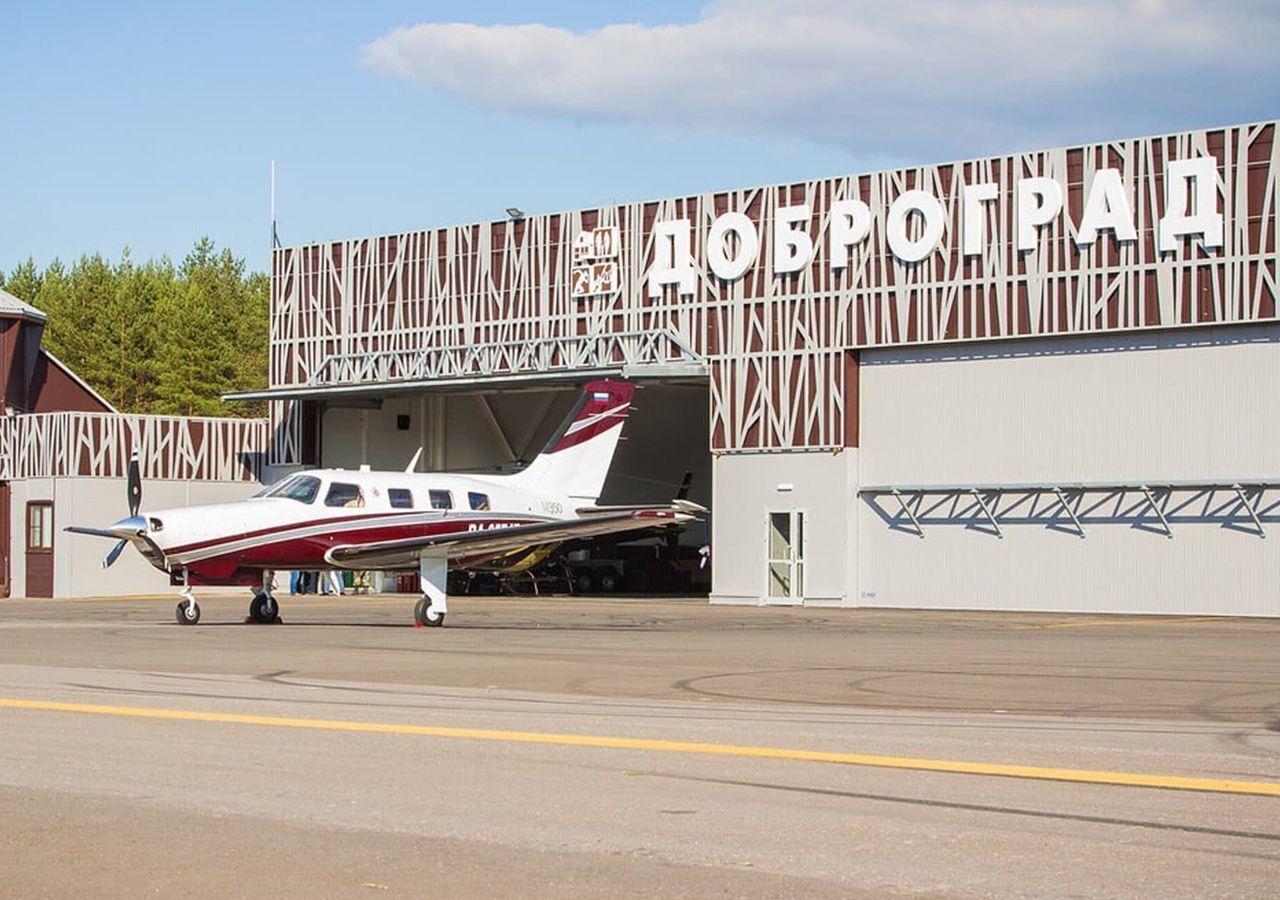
(156,337)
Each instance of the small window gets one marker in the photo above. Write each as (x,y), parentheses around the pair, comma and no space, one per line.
(478,501)
(441,499)
(400,498)
(341,494)
(402,423)
(40,527)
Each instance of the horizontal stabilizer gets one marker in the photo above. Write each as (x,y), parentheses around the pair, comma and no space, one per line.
(679,505)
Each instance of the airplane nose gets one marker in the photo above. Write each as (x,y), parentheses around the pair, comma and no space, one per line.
(129,527)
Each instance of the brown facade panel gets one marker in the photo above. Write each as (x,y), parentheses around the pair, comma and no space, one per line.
(469,300)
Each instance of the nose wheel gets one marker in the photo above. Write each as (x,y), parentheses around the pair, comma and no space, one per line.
(187,612)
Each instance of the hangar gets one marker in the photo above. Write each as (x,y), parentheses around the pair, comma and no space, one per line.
(1038,381)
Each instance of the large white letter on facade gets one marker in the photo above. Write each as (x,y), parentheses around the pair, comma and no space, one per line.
(900,242)
(792,249)
(974,220)
(849,226)
(748,246)
(1178,222)
(671,259)
(1039,200)
(1107,207)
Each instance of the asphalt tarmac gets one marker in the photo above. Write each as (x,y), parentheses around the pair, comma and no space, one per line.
(571,748)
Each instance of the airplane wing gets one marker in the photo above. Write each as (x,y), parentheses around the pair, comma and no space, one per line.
(477,546)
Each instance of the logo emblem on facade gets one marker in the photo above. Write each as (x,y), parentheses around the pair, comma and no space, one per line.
(595,262)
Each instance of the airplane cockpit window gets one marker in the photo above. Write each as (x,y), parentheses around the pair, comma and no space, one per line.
(341,494)
(302,488)
(441,499)
(478,501)
(400,498)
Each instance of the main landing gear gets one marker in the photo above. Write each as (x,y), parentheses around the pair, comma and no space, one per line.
(263,608)
(425,612)
(433,571)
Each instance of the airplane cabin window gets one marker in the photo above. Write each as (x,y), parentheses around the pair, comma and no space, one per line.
(400,498)
(341,494)
(478,501)
(441,499)
(302,488)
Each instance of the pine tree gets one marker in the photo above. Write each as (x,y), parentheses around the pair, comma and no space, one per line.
(152,337)
(24,281)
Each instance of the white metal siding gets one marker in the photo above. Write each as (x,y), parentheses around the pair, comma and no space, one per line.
(1160,407)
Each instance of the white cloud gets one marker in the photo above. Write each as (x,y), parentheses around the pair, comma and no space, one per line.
(922,76)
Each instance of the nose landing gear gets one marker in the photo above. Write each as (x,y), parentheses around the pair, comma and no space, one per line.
(187,612)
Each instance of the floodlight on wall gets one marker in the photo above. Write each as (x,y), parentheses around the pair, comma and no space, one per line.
(515,213)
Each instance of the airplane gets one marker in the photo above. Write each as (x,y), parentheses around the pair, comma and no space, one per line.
(336,519)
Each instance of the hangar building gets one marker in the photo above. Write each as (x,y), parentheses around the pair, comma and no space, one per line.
(1041,381)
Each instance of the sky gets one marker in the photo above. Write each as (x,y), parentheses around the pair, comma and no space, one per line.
(147,125)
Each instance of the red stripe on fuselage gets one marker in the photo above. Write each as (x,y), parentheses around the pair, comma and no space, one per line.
(308,552)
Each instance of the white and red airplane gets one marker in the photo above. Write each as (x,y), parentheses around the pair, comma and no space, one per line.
(327,519)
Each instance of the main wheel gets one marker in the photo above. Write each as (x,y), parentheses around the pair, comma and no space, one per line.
(263,608)
(425,615)
(187,613)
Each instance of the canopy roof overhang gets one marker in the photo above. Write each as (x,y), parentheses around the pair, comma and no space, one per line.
(692,372)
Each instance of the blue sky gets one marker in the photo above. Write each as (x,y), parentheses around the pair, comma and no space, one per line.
(150,124)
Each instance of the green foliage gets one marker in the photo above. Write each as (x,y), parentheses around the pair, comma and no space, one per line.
(24,281)
(155,338)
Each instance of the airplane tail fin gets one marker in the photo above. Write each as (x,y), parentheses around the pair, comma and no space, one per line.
(576,459)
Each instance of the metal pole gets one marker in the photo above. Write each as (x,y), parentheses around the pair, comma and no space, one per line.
(275,241)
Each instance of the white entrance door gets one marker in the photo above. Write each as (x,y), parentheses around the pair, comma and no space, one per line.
(784,552)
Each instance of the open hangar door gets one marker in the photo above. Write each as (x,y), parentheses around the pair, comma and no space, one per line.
(502,428)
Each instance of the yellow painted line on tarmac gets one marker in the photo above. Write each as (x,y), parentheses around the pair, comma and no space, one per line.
(958,767)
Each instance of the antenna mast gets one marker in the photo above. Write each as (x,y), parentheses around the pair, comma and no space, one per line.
(275,239)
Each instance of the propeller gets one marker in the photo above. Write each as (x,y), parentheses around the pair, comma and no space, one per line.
(114,553)
(135,485)
(134,489)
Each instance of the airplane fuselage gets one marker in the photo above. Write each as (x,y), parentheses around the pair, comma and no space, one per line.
(295,523)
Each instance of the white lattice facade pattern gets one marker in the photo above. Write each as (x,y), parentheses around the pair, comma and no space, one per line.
(497,300)
(67,444)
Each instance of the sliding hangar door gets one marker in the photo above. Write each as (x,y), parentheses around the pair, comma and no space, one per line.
(1116,473)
